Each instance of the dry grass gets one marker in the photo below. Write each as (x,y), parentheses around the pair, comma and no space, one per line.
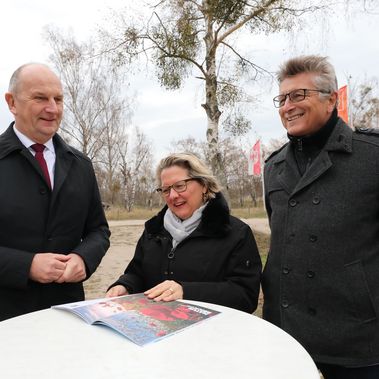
(249,212)
(263,242)
(138,213)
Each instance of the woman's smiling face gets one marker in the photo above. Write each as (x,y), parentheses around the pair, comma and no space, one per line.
(182,204)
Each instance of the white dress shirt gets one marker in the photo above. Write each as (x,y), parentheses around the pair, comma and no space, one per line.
(48,153)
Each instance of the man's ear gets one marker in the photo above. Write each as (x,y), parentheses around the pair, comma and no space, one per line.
(332,101)
(9,98)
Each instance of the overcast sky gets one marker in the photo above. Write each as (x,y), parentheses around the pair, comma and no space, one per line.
(351,45)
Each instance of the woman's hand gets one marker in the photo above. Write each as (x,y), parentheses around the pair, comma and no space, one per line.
(168,290)
(118,290)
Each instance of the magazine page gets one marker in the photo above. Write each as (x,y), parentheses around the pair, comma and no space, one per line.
(144,321)
(82,309)
(138,318)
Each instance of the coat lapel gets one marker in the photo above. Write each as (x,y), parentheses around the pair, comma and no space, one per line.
(63,163)
(320,165)
(62,166)
(9,142)
(28,155)
(288,174)
(64,156)
(340,141)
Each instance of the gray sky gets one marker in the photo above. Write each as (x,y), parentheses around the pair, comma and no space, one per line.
(351,45)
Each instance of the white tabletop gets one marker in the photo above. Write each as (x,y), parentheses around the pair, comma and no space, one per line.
(57,344)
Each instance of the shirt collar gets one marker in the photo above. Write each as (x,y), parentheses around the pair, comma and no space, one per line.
(27,142)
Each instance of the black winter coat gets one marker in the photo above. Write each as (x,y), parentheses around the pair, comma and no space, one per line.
(35,219)
(321,280)
(218,263)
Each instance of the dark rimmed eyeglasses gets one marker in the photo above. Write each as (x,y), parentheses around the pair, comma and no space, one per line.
(178,187)
(295,96)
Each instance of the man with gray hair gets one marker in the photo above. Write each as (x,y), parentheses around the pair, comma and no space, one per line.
(321,280)
(53,231)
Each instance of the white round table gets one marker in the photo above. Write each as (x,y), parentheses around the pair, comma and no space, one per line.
(56,344)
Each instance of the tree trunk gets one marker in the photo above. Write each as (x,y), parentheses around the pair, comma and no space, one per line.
(212,110)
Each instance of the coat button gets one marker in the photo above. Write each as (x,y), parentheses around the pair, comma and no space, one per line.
(42,191)
(166,272)
(316,200)
(170,255)
(285,270)
(312,238)
(310,274)
(293,202)
(285,304)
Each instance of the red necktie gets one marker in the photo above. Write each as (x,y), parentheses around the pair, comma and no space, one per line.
(39,148)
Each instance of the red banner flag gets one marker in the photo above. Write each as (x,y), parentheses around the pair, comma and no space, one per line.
(255,159)
(342,104)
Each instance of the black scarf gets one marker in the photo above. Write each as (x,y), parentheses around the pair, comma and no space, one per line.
(307,148)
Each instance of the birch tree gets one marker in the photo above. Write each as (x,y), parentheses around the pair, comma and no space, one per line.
(364,104)
(199,38)
(94,98)
(114,134)
(132,160)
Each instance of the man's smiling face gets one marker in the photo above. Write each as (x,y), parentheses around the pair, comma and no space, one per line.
(309,115)
(37,103)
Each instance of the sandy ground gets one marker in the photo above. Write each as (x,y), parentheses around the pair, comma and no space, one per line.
(124,238)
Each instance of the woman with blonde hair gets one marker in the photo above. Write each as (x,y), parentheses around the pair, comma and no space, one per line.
(193,249)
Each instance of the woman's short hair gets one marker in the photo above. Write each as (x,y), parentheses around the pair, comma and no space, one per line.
(196,169)
(325,78)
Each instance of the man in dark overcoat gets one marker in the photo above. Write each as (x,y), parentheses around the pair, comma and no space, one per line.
(53,231)
(321,280)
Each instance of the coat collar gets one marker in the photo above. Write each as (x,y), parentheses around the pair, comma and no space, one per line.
(65,155)
(340,141)
(9,143)
(215,220)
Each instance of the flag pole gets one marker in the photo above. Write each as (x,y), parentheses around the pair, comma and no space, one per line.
(256,165)
(262,179)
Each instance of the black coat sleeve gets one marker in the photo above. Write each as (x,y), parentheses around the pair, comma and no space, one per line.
(239,287)
(95,237)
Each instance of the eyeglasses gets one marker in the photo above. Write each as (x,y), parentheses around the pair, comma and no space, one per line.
(295,96)
(179,187)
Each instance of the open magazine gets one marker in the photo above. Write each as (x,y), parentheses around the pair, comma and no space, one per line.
(138,318)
